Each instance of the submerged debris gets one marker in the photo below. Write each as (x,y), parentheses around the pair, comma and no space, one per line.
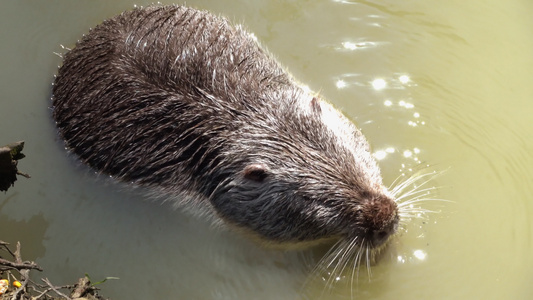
(17,271)
(9,156)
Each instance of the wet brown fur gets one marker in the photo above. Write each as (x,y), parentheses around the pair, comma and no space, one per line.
(180,100)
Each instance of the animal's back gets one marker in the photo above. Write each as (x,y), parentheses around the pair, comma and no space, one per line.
(145,84)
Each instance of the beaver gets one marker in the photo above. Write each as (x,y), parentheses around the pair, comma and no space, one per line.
(182,102)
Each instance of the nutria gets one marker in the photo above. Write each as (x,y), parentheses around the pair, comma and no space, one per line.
(181,101)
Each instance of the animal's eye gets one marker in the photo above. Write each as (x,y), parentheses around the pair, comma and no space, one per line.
(255,172)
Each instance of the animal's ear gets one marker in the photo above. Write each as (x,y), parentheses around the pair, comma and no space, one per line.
(255,172)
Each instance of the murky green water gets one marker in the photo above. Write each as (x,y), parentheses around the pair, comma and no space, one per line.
(439,83)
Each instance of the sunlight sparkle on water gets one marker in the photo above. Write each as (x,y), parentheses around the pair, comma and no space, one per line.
(405,104)
(349,45)
(387,103)
(379,84)
(421,255)
(381,154)
(404,79)
(341,84)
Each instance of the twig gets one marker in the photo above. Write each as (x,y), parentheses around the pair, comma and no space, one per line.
(5,245)
(24,272)
(18,266)
(43,293)
(56,289)
(23,174)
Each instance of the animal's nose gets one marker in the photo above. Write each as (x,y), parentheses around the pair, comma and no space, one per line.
(379,237)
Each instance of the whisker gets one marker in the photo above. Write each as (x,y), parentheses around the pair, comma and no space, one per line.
(352,245)
(410,180)
(354,268)
(335,273)
(331,275)
(396,180)
(397,187)
(411,192)
(335,256)
(415,213)
(357,259)
(415,192)
(368,270)
(416,201)
(331,252)
(322,266)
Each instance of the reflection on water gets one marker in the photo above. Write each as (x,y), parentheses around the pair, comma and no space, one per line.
(434,86)
(30,232)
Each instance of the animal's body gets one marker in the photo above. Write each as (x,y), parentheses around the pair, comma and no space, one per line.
(183,102)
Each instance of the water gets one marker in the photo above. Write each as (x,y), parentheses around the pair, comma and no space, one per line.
(444,84)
